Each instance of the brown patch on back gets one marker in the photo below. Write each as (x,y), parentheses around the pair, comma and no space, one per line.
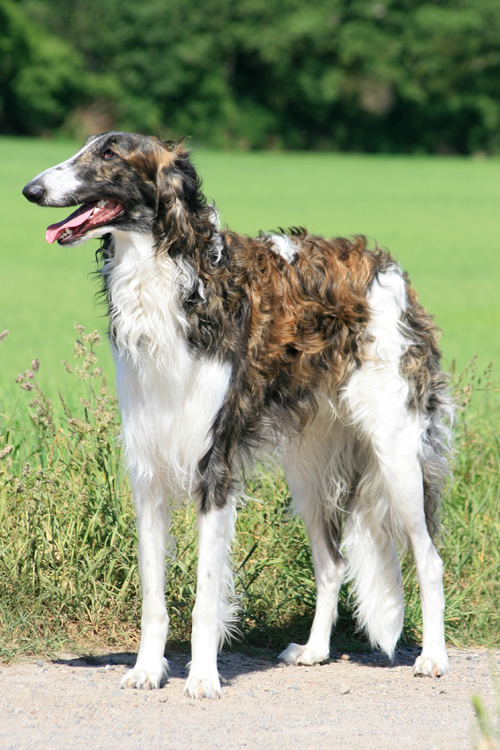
(308,316)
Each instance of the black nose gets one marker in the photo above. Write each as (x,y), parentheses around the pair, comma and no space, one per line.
(34,193)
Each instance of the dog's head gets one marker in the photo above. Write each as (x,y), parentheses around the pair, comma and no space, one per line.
(123,181)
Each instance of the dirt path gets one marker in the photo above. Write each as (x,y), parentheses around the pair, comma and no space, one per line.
(349,703)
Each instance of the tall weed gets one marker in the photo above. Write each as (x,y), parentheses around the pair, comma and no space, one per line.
(67,532)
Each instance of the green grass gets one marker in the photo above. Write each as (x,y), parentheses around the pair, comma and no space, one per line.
(68,546)
(439,216)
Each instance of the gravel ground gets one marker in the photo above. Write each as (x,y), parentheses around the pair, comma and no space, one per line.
(353,701)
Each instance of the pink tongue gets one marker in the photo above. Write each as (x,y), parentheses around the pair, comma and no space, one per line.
(76,219)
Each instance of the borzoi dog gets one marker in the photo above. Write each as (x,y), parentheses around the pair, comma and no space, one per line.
(313,349)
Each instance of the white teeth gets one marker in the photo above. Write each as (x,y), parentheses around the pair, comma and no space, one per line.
(67,232)
(101,204)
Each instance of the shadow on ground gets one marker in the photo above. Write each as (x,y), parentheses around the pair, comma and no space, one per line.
(234,664)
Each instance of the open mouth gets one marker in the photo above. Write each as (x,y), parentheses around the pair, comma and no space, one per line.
(89,216)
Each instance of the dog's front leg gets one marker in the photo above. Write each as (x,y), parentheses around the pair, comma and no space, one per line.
(215,529)
(153,519)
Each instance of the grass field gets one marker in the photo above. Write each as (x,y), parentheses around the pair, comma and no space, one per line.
(439,216)
(68,566)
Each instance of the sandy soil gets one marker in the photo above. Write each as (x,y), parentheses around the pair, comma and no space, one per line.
(351,702)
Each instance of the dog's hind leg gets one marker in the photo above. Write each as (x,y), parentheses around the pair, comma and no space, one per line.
(404,477)
(328,572)
(402,484)
(212,613)
(390,506)
(153,520)
(398,402)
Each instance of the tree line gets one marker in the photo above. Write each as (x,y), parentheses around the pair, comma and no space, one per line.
(364,75)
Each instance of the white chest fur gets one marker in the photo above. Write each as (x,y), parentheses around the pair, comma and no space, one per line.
(168,397)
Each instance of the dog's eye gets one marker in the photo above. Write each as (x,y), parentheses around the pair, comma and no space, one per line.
(108,154)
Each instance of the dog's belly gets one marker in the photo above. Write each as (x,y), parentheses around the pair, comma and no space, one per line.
(167,416)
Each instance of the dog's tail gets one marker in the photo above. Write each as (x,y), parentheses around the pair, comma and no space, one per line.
(373,565)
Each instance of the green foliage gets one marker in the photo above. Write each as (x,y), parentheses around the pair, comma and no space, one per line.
(68,546)
(397,75)
(43,79)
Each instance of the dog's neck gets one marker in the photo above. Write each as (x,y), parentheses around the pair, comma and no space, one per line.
(144,287)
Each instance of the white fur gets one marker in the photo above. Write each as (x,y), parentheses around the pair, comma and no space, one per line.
(217,242)
(153,520)
(168,402)
(284,246)
(305,481)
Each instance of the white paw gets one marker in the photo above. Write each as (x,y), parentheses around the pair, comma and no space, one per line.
(431,665)
(296,654)
(149,679)
(202,687)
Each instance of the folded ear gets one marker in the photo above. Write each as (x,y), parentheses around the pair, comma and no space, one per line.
(183,213)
